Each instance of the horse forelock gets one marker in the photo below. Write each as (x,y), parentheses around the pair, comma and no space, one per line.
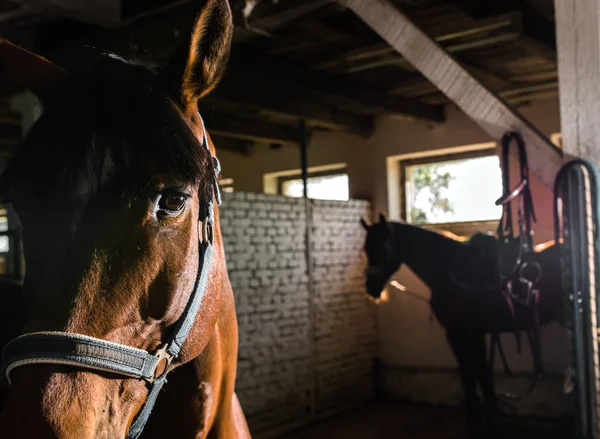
(111,120)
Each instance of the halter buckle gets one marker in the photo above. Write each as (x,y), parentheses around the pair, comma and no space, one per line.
(206,231)
(163,362)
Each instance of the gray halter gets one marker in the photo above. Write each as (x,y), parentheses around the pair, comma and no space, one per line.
(93,353)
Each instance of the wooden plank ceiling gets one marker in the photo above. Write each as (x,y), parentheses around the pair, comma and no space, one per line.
(314,60)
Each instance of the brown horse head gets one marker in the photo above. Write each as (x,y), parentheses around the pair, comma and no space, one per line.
(109,184)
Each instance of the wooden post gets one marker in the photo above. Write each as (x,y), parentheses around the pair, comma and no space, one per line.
(578,46)
(312,291)
(304,157)
(486,108)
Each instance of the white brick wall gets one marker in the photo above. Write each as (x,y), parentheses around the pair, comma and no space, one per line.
(264,239)
(346,336)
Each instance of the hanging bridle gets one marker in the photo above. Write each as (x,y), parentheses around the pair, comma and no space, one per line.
(518,286)
(87,352)
(525,210)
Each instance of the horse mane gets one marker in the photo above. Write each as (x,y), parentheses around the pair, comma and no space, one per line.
(450,235)
(538,248)
(111,113)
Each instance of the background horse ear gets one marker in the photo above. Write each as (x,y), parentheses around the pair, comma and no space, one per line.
(364,224)
(22,67)
(197,66)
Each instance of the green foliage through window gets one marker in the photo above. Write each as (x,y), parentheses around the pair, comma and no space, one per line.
(458,190)
(436,180)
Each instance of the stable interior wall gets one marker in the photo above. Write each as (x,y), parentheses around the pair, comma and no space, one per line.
(324,148)
(308,340)
(416,359)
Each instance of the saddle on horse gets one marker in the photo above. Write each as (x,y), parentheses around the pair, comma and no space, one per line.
(507,264)
(477,264)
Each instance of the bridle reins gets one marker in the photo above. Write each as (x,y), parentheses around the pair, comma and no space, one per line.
(92,353)
(513,276)
(525,209)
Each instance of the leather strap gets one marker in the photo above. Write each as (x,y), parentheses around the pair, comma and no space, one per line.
(505,226)
(182,329)
(77,350)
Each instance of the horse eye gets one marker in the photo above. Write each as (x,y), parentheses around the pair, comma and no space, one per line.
(173,202)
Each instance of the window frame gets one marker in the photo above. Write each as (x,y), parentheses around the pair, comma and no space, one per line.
(461,228)
(314,174)
(226,184)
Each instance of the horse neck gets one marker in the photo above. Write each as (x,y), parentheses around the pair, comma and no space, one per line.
(425,252)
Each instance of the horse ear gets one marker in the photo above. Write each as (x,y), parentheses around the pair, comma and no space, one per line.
(197,66)
(382,219)
(364,224)
(29,70)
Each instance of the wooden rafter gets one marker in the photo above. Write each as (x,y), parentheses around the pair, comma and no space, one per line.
(325,100)
(483,106)
(539,32)
(267,71)
(382,54)
(228,126)
(270,102)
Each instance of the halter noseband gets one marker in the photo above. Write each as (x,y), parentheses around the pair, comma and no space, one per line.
(79,350)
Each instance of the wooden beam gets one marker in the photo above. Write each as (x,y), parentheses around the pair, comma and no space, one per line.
(99,12)
(539,32)
(512,22)
(224,125)
(280,19)
(483,106)
(393,58)
(267,71)
(159,40)
(578,41)
(267,101)
(238,146)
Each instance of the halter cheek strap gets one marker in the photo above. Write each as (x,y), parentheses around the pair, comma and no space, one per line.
(87,352)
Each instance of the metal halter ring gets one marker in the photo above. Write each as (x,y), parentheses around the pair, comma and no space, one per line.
(539,271)
(206,231)
(164,360)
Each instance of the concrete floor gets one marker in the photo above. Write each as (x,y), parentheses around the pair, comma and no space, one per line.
(391,420)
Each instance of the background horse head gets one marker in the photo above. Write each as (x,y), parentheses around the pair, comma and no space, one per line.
(383,255)
(110,185)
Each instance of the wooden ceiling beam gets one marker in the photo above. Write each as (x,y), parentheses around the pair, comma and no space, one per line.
(238,146)
(393,59)
(486,108)
(539,32)
(158,35)
(510,22)
(225,125)
(266,101)
(338,91)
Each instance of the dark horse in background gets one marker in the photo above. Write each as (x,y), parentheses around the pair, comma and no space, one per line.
(126,284)
(448,267)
